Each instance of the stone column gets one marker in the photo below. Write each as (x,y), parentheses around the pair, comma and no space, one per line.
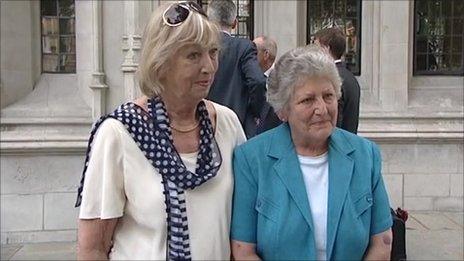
(394,54)
(279,20)
(136,14)
(131,47)
(98,84)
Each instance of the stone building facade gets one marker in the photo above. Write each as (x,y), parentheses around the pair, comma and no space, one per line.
(46,117)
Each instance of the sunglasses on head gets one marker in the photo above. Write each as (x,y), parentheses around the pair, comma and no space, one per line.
(177,13)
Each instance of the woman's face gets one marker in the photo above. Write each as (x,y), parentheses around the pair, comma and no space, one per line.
(190,72)
(312,110)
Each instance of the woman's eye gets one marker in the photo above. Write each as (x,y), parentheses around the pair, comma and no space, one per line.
(194,55)
(213,52)
(307,100)
(328,95)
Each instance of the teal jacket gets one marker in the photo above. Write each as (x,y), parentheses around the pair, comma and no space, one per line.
(271,207)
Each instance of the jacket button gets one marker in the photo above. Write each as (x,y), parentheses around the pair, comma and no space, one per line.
(259,203)
(369,199)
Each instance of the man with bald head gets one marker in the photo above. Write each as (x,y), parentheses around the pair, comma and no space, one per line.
(267,51)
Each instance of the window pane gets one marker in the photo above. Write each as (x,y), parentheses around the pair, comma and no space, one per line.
(48,7)
(351,8)
(457,44)
(58,36)
(421,7)
(49,25)
(68,63)
(435,7)
(438,37)
(421,44)
(243,8)
(339,8)
(444,63)
(245,18)
(446,9)
(458,26)
(350,31)
(421,62)
(50,44)
(342,14)
(456,62)
(50,63)
(433,61)
(66,7)
(67,44)
(458,6)
(67,26)
(315,8)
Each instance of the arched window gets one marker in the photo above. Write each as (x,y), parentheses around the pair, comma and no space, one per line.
(438,37)
(58,36)
(345,14)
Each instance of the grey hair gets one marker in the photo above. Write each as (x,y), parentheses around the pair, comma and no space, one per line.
(223,12)
(268,44)
(296,66)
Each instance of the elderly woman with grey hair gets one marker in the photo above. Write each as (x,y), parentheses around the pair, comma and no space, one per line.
(158,179)
(307,190)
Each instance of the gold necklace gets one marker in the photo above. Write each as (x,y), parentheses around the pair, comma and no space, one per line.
(186,130)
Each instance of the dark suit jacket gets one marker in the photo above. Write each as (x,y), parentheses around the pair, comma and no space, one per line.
(268,119)
(239,82)
(348,105)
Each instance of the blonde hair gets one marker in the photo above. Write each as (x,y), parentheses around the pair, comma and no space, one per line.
(160,42)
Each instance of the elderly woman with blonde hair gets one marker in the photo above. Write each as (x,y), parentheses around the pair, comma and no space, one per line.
(307,190)
(157,182)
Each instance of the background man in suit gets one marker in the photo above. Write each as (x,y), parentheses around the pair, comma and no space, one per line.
(239,82)
(267,52)
(348,106)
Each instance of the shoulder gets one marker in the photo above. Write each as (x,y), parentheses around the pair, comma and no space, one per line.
(227,115)
(110,127)
(363,149)
(354,140)
(261,143)
(226,121)
(243,44)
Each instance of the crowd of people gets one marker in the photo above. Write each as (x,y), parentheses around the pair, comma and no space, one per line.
(172,176)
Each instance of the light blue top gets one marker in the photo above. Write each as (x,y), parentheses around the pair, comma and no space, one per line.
(271,207)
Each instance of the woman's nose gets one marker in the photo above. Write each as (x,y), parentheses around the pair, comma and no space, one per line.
(320,107)
(208,64)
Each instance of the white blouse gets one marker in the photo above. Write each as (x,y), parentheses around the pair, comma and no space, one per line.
(121,183)
(316,178)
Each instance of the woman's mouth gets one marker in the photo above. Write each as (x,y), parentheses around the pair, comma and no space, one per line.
(205,83)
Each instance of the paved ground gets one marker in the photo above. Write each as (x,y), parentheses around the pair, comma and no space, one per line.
(430,236)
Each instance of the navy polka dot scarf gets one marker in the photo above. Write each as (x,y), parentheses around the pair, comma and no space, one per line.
(152,133)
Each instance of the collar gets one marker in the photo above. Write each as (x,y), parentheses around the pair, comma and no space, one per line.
(266,73)
(228,33)
(338,61)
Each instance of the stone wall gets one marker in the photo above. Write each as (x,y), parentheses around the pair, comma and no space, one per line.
(417,121)
(424,176)
(37,197)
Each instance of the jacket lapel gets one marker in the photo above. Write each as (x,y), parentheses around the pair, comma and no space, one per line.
(288,169)
(340,172)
